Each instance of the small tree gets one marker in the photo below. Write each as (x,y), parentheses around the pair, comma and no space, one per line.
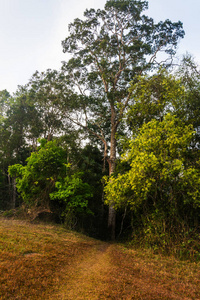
(72,194)
(161,176)
(36,180)
(47,176)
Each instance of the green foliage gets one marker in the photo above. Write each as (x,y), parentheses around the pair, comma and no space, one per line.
(159,169)
(155,96)
(48,91)
(37,179)
(158,178)
(47,176)
(90,162)
(178,239)
(16,170)
(189,75)
(4,103)
(111,47)
(73,194)
(161,186)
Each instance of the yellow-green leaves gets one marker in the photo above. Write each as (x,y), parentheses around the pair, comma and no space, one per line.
(159,167)
(154,96)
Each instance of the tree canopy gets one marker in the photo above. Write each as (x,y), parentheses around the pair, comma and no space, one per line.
(109,48)
(117,108)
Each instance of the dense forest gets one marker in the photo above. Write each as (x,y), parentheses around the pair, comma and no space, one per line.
(109,144)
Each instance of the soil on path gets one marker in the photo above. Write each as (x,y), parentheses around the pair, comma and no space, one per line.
(109,271)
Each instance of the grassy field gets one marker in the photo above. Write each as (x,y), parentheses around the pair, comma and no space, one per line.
(49,262)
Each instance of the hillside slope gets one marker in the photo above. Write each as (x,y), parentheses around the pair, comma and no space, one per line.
(49,262)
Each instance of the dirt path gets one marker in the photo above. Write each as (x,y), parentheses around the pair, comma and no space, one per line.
(109,272)
(88,278)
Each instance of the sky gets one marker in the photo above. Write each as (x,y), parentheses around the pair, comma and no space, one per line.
(31,32)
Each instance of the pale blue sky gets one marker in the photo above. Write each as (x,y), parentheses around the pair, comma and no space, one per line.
(31,32)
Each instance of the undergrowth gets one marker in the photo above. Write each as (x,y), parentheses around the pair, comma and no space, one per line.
(183,244)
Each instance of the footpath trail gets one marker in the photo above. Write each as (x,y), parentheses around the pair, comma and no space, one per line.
(50,263)
(108,271)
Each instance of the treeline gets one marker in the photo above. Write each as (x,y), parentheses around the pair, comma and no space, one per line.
(111,138)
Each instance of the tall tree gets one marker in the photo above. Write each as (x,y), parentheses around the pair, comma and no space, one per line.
(189,74)
(153,96)
(5,101)
(18,129)
(46,91)
(110,47)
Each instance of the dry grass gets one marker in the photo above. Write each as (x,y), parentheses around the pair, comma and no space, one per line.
(48,262)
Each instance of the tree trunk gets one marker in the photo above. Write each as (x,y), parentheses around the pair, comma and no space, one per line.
(112,164)
(111,222)
(12,192)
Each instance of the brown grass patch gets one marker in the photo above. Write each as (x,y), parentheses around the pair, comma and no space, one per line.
(49,262)
(32,257)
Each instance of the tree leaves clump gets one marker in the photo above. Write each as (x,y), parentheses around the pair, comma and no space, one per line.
(47,176)
(161,172)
